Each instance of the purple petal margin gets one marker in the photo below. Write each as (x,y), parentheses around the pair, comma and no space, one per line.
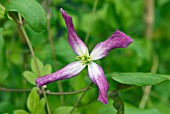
(97,76)
(68,71)
(75,42)
(117,40)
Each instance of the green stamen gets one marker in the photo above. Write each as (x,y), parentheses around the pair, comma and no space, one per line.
(86,59)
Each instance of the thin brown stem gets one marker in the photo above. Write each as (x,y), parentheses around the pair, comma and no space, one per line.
(149,17)
(47,92)
(80,98)
(147,89)
(14,90)
(34,57)
(29,45)
(149,20)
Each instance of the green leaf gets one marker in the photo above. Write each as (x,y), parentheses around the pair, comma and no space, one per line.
(33,100)
(20,112)
(31,11)
(40,66)
(47,69)
(139,79)
(64,110)
(130,109)
(30,77)
(3,65)
(40,107)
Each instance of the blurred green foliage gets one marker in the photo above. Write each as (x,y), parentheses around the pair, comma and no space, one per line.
(125,15)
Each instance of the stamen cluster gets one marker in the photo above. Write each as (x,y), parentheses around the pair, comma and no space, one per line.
(85,59)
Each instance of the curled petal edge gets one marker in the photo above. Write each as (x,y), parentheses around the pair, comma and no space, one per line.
(117,40)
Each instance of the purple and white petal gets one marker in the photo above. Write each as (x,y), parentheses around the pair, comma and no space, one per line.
(117,40)
(97,76)
(68,71)
(75,42)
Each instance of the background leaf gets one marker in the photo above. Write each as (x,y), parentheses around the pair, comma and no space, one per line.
(64,110)
(133,110)
(30,77)
(31,11)
(20,112)
(47,69)
(139,79)
(40,107)
(40,66)
(33,100)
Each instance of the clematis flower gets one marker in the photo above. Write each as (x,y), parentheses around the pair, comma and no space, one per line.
(96,74)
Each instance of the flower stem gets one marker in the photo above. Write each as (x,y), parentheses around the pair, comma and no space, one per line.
(147,89)
(46,100)
(149,20)
(80,98)
(34,57)
(91,21)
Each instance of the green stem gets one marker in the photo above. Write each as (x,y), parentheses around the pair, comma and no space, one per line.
(59,83)
(80,98)
(34,57)
(91,21)
(46,100)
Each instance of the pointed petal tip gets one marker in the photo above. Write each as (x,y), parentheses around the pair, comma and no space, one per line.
(103,94)
(61,9)
(44,80)
(63,12)
(104,101)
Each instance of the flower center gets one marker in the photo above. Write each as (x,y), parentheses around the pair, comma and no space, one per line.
(86,59)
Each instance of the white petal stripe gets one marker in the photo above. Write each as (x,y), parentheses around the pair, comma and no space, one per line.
(68,71)
(75,42)
(97,76)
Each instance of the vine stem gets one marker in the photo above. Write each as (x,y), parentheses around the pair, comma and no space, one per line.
(80,98)
(14,90)
(47,92)
(147,89)
(59,83)
(34,58)
(149,20)
(91,21)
